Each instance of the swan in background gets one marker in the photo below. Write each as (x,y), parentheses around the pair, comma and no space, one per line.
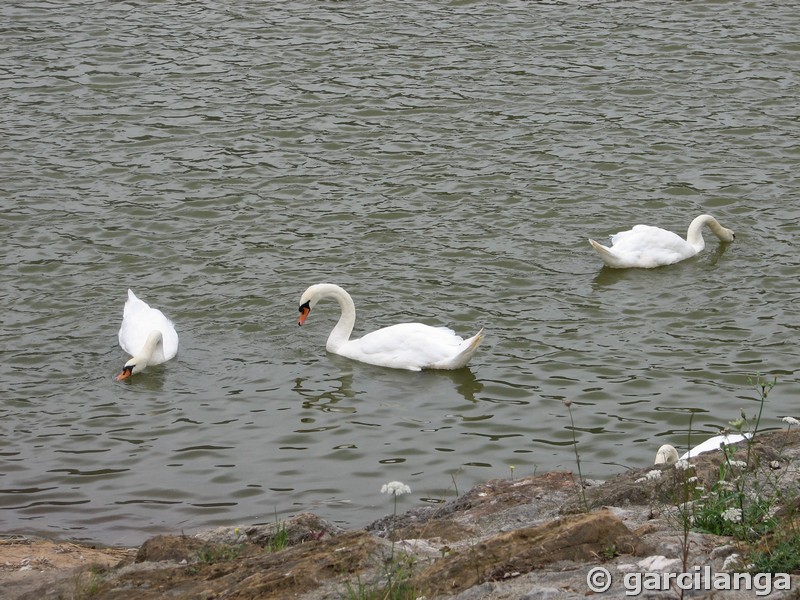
(668,455)
(646,247)
(411,346)
(147,335)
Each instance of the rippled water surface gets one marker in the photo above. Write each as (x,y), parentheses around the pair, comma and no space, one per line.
(444,162)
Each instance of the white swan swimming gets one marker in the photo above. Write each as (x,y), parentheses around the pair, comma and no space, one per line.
(668,455)
(147,335)
(411,346)
(646,247)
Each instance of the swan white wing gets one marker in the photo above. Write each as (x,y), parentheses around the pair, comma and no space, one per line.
(412,346)
(138,320)
(649,246)
(647,236)
(714,443)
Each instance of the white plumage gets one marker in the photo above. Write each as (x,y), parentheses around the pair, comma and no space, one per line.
(411,346)
(647,247)
(147,335)
(668,455)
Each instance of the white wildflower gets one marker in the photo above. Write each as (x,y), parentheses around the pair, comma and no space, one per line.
(692,479)
(775,464)
(791,421)
(739,464)
(739,423)
(683,465)
(732,564)
(654,474)
(734,515)
(396,488)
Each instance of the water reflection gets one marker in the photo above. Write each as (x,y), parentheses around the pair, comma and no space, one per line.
(464,380)
(340,386)
(608,277)
(718,252)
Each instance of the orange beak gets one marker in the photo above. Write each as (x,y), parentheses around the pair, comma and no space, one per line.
(126,372)
(304,310)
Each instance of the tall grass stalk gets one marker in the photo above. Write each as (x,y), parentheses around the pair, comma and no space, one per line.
(568,404)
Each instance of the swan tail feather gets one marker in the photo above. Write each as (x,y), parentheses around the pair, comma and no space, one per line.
(460,360)
(608,257)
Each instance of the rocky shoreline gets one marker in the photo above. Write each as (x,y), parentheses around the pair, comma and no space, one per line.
(523,538)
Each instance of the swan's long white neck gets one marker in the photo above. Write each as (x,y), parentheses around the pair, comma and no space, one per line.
(695,234)
(341,333)
(141,360)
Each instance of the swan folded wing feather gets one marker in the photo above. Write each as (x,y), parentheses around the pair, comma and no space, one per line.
(412,346)
(134,305)
(131,334)
(647,235)
(648,246)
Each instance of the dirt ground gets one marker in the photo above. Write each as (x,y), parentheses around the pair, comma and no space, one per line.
(29,563)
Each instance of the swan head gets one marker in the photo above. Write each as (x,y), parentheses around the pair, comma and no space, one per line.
(134,365)
(137,364)
(727,235)
(307,301)
(694,237)
(314,294)
(666,455)
(305,309)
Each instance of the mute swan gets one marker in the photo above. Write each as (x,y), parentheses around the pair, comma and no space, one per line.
(646,247)
(411,346)
(668,455)
(147,335)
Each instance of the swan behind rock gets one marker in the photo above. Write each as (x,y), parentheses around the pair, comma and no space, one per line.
(411,346)
(668,455)
(647,247)
(147,335)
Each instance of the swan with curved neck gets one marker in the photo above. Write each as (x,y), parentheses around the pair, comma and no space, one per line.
(411,346)
(147,335)
(647,247)
(668,455)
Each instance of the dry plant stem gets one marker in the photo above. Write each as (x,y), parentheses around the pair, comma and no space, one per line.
(686,516)
(577,459)
(763,388)
(394,525)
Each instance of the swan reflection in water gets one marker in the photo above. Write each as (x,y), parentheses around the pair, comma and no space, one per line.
(340,395)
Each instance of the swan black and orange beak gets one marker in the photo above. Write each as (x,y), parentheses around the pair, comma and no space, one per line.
(304,310)
(127,371)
